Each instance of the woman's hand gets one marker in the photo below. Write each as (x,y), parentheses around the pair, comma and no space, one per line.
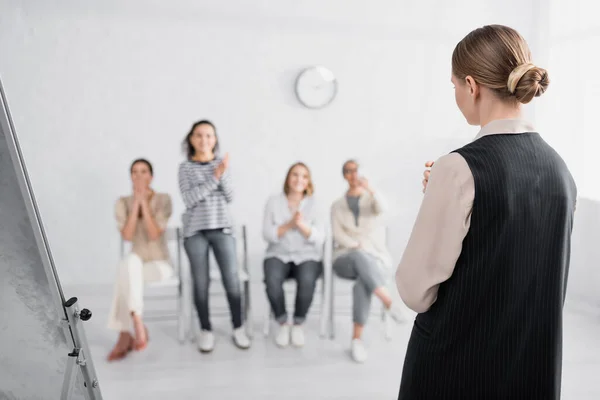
(364,183)
(301,225)
(283,229)
(297,219)
(140,193)
(426,174)
(222,167)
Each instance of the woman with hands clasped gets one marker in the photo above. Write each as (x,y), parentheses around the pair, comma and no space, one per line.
(295,237)
(141,219)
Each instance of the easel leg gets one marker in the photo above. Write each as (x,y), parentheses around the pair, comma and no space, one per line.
(80,361)
(70,375)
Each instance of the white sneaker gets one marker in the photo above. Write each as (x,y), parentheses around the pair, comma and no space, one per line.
(206,342)
(283,336)
(297,336)
(358,350)
(396,313)
(241,339)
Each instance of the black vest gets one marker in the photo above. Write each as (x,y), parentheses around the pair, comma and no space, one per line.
(495,330)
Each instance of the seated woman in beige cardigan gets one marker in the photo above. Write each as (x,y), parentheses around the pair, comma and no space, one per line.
(141,219)
(360,251)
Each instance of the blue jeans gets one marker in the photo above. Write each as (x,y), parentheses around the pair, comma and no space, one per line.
(305,274)
(223,246)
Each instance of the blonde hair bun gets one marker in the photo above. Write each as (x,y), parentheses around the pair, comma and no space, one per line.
(527,81)
(498,58)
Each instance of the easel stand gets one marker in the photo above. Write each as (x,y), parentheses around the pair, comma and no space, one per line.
(77,361)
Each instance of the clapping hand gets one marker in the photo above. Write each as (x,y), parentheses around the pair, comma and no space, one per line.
(298,223)
(298,219)
(222,167)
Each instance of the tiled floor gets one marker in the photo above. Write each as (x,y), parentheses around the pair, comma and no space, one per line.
(321,370)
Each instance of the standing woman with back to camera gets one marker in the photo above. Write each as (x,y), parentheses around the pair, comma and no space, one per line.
(486,265)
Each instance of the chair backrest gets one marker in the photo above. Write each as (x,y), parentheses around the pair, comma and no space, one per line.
(329,246)
(172,235)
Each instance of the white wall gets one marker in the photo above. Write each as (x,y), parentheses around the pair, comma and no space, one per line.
(569,116)
(96,84)
(569,119)
(584,275)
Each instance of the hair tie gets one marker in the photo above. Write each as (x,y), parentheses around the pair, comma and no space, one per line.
(516,75)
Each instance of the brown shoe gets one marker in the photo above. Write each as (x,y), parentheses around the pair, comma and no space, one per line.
(124,345)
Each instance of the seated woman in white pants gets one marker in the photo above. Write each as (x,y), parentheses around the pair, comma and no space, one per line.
(360,251)
(142,218)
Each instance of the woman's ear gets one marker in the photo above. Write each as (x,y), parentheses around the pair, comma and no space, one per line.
(473,86)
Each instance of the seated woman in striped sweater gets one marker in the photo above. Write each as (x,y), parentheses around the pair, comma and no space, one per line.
(295,237)
(206,190)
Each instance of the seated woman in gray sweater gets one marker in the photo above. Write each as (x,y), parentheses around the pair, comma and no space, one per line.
(360,251)
(295,237)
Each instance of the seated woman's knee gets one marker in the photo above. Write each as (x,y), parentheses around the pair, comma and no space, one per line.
(131,259)
(273,281)
(308,279)
(361,259)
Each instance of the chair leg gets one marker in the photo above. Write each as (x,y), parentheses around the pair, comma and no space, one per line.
(180,319)
(248,325)
(331,313)
(323,318)
(248,310)
(192,326)
(386,323)
(181,336)
(267,323)
(191,312)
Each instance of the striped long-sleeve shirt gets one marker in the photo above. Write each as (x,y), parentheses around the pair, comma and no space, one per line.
(206,198)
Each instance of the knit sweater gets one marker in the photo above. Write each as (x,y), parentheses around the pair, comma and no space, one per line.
(370,233)
(206,198)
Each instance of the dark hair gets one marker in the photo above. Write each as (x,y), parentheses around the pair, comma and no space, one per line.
(351,161)
(188,149)
(142,161)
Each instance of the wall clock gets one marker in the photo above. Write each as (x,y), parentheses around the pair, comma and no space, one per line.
(316,87)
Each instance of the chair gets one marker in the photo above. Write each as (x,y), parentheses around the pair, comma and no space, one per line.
(322,286)
(244,275)
(155,290)
(328,264)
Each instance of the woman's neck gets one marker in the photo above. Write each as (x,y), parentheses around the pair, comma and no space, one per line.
(495,109)
(149,192)
(295,197)
(354,191)
(203,157)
